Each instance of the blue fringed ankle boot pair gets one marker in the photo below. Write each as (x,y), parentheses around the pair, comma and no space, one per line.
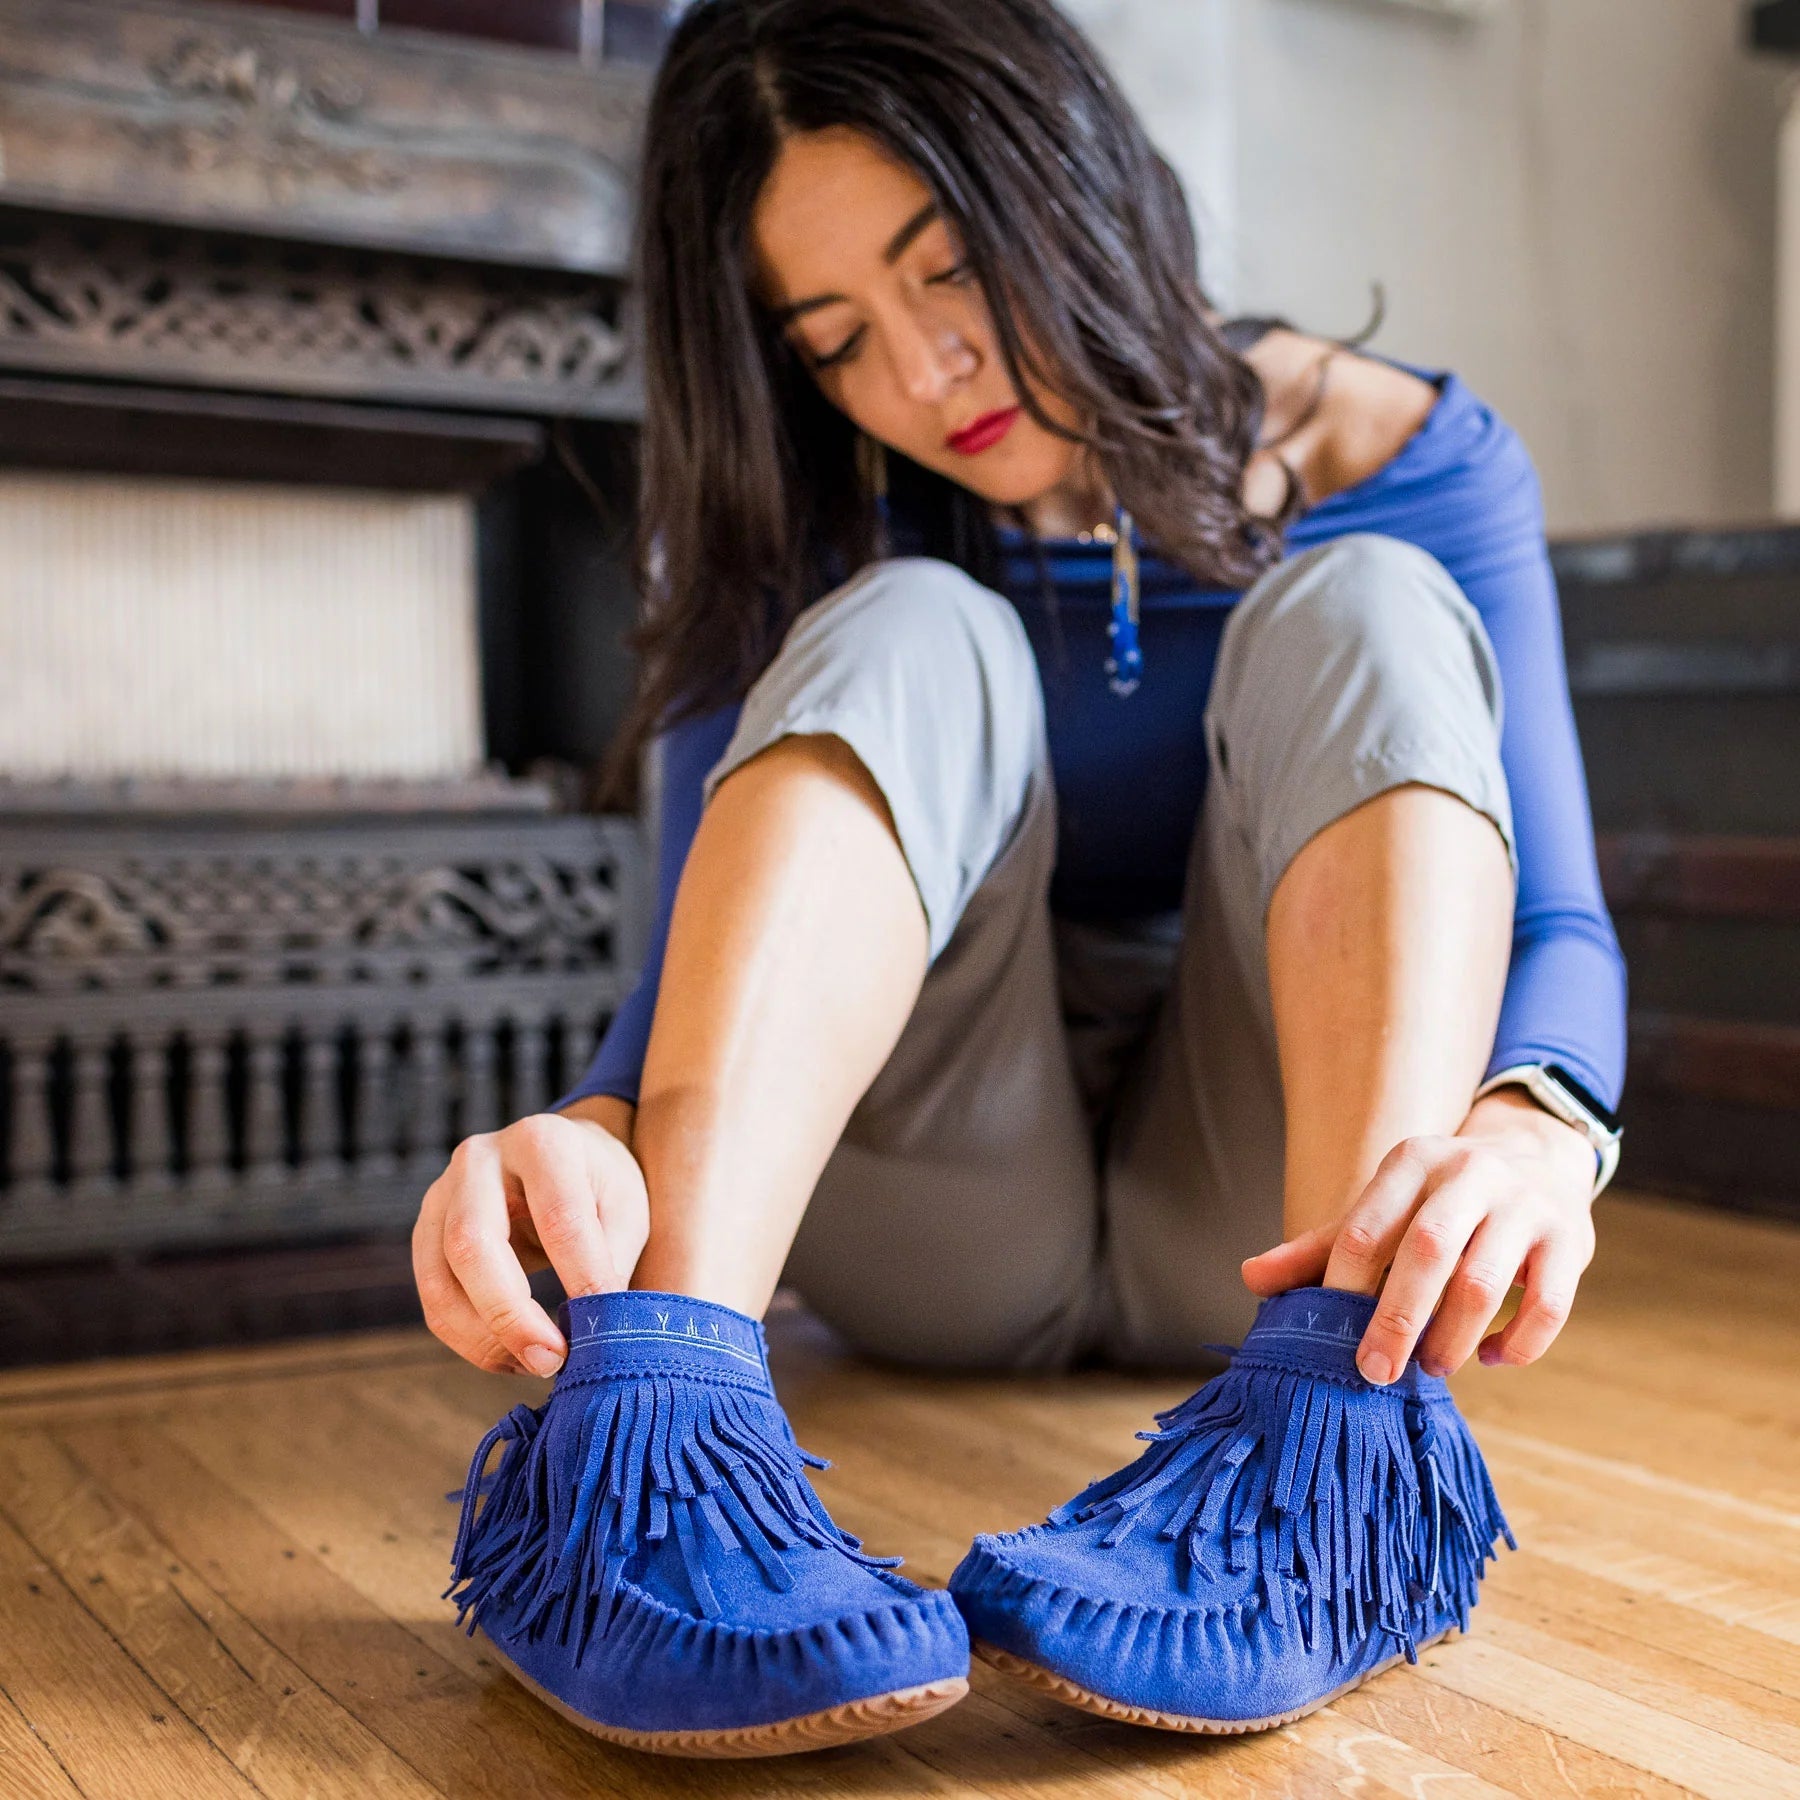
(649,1557)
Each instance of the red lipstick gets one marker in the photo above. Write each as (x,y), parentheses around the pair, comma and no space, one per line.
(983,433)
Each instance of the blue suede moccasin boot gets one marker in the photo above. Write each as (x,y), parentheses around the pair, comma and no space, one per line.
(649,1557)
(1290,1532)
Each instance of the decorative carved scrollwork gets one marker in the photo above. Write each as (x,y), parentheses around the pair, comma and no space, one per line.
(66,918)
(130,301)
(191,915)
(237,1034)
(274,106)
(252,75)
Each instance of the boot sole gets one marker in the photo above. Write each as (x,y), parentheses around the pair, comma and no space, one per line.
(1071,1693)
(846,1724)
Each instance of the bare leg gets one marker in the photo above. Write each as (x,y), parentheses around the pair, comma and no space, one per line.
(796,951)
(1388,942)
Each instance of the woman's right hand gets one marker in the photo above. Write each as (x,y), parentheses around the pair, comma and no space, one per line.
(551,1190)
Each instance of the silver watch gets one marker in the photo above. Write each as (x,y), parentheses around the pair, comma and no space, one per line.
(1565,1098)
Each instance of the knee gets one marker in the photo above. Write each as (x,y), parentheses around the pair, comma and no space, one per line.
(931,680)
(917,612)
(1352,650)
(1359,613)
(1357,667)
(914,636)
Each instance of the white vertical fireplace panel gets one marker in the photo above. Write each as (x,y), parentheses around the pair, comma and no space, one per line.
(198,629)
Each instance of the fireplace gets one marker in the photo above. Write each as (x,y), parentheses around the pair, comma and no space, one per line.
(316,395)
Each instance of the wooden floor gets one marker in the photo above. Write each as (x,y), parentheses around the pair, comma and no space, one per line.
(220,1574)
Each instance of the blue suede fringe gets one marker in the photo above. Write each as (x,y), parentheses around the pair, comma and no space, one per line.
(1353,1507)
(627,1463)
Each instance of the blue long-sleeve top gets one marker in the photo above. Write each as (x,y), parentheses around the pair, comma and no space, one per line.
(1462,488)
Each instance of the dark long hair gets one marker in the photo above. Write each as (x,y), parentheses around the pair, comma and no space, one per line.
(752,501)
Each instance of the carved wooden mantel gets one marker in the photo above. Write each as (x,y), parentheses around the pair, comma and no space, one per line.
(252,121)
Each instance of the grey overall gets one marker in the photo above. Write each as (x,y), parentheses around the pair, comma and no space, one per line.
(1078,1136)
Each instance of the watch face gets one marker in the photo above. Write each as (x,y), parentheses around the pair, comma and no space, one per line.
(1584,1094)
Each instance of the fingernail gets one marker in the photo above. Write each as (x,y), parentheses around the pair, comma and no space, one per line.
(541,1360)
(1375,1368)
(1489,1354)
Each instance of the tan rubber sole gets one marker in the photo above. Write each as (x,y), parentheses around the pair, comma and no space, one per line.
(1071,1693)
(846,1724)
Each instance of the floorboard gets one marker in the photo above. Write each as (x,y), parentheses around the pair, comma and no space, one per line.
(221,1573)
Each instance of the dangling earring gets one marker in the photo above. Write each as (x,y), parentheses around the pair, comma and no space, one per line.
(1125,666)
(871,462)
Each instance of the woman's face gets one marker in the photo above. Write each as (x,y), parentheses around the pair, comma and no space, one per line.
(866,280)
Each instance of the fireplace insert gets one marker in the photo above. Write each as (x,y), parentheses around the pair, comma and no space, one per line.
(316,473)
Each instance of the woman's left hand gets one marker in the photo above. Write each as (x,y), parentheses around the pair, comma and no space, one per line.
(1453,1223)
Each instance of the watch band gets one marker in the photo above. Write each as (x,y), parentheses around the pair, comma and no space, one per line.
(1563,1098)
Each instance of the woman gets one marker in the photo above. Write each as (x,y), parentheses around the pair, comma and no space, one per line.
(1025,987)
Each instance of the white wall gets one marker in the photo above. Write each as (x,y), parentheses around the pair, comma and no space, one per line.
(1570,201)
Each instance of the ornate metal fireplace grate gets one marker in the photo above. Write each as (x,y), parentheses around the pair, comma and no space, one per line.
(218,1033)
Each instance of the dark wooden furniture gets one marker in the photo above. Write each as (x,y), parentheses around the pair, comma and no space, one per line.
(1775,25)
(1684,659)
(247,119)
